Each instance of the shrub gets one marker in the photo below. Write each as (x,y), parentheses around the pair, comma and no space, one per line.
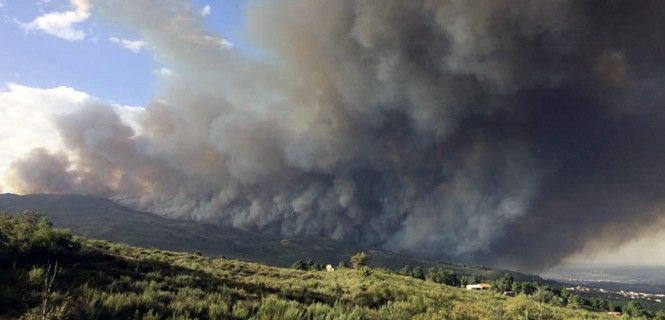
(32,236)
(308,265)
(36,276)
(521,307)
(359,260)
(274,308)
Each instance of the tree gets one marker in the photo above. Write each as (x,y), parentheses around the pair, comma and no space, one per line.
(299,265)
(527,288)
(578,302)
(418,273)
(469,279)
(543,295)
(505,283)
(615,306)
(307,265)
(599,304)
(444,276)
(660,315)
(33,238)
(406,270)
(633,309)
(359,260)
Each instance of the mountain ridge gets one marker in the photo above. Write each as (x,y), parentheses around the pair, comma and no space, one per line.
(101,218)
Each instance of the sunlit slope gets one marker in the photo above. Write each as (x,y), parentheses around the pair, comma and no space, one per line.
(111,281)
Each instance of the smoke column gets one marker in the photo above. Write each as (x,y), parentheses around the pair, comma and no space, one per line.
(511,133)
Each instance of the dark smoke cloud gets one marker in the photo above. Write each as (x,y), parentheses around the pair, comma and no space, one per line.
(502,132)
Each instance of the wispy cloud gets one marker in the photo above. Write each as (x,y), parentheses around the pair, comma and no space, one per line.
(62,24)
(164,72)
(132,45)
(220,42)
(206,10)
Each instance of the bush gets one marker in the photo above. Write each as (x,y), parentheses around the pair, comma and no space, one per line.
(633,309)
(359,260)
(522,308)
(274,308)
(36,276)
(32,237)
(307,265)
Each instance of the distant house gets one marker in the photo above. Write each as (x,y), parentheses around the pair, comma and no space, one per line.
(329,268)
(614,313)
(478,286)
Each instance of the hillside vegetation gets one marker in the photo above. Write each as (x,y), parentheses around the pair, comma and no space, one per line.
(100,218)
(48,273)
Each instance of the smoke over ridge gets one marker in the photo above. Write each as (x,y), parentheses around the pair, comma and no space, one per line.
(503,132)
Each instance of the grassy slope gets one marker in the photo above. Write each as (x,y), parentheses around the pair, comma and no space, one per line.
(103,219)
(106,280)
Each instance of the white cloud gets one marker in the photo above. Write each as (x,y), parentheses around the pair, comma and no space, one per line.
(206,10)
(26,119)
(220,42)
(132,45)
(131,116)
(164,72)
(2,3)
(62,24)
(208,40)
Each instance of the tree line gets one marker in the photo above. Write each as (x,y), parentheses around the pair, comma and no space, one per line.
(507,285)
(543,293)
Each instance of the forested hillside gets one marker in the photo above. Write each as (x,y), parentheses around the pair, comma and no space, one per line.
(102,219)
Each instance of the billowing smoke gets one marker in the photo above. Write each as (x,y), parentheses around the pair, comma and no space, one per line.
(503,132)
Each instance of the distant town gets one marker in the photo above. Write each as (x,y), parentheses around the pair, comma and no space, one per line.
(635,295)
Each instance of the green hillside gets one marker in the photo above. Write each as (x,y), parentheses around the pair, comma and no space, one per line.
(102,280)
(103,219)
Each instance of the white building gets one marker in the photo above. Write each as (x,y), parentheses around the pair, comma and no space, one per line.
(478,286)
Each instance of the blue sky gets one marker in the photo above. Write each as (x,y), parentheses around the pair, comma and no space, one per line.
(94,64)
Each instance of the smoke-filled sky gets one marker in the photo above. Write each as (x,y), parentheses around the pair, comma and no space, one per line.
(518,134)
